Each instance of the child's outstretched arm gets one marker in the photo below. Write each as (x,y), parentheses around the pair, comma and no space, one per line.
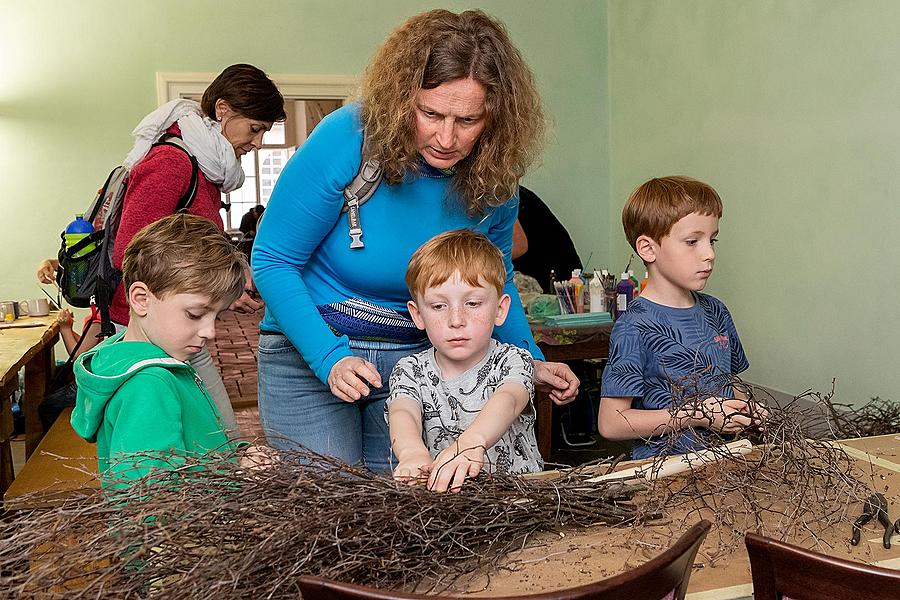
(405,422)
(465,458)
(66,332)
(617,420)
(70,338)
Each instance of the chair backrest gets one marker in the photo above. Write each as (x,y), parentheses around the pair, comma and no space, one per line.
(784,571)
(665,576)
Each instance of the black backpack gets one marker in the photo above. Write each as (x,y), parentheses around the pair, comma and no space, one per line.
(92,276)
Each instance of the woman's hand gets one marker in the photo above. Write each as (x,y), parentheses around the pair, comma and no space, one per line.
(46,272)
(348,378)
(250,301)
(558,378)
(246,304)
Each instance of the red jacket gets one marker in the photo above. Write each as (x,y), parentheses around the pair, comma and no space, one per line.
(155,185)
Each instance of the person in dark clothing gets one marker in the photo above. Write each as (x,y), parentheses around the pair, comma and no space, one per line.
(250,219)
(542,242)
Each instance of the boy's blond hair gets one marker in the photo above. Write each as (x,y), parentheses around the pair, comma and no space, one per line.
(185,254)
(656,205)
(462,251)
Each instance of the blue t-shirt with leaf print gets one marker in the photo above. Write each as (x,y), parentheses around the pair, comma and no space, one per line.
(659,353)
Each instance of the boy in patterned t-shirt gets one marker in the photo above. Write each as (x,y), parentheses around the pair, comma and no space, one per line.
(673,334)
(466,403)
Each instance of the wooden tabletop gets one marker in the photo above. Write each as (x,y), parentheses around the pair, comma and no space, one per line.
(577,558)
(19,344)
(62,466)
(571,558)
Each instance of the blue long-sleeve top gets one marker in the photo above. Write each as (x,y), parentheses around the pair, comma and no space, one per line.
(302,256)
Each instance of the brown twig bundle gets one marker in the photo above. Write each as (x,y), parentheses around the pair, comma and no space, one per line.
(875,417)
(794,484)
(219,532)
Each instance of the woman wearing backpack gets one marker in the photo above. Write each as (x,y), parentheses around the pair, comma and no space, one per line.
(237,108)
(450,110)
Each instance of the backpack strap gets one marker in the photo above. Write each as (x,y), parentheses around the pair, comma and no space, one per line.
(358,192)
(184,203)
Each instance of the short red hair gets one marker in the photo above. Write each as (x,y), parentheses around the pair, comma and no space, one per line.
(462,251)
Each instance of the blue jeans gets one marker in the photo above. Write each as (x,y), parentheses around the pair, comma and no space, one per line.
(295,408)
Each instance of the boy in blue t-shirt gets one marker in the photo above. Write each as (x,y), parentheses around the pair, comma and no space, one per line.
(673,342)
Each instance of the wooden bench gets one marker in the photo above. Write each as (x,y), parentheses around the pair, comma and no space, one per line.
(62,466)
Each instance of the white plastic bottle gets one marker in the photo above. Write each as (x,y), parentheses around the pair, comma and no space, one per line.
(598,297)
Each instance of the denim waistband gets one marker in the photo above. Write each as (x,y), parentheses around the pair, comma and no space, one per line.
(358,344)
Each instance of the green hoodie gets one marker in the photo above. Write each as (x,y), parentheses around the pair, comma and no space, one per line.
(135,398)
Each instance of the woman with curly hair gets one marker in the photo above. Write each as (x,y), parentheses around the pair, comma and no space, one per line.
(450,110)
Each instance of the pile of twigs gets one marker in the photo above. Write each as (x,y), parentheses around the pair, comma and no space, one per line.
(795,484)
(875,417)
(219,532)
(222,532)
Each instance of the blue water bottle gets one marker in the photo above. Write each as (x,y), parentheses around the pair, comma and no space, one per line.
(77,270)
(77,231)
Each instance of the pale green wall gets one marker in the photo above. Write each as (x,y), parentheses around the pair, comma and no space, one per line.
(75,77)
(792,111)
(789,108)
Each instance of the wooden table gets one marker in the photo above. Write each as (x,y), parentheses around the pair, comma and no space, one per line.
(31,348)
(580,557)
(583,557)
(63,466)
(560,344)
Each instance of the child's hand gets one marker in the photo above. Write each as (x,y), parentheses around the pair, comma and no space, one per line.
(65,319)
(413,469)
(728,415)
(453,466)
(258,458)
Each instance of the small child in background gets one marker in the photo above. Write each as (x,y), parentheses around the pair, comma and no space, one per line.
(138,398)
(467,402)
(673,331)
(63,396)
(91,329)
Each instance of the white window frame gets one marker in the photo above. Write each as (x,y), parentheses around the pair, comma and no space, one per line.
(171,86)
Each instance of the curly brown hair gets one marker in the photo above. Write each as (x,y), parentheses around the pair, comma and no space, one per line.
(436,47)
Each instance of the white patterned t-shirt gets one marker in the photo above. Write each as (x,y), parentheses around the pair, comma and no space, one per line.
(449,407)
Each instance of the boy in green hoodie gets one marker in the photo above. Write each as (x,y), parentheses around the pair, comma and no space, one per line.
(138,398)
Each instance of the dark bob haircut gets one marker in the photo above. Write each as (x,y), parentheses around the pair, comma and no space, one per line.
(247,90)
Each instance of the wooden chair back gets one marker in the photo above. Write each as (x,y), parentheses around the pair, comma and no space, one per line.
(665,576)
(782,570)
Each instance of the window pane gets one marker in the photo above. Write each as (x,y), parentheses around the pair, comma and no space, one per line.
(246,194)
(271,161)
(243,198)
(248,162)
(274,135)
